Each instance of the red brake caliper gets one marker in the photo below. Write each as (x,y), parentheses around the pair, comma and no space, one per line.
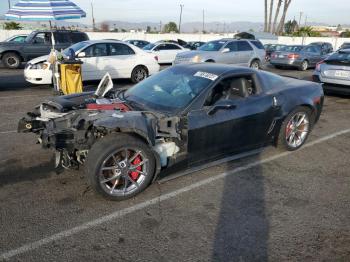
(135,174)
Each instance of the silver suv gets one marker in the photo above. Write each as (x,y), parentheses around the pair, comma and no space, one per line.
(226,51)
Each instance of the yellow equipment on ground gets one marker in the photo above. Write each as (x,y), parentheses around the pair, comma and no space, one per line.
(70,78)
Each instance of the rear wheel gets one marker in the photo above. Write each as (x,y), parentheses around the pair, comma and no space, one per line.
(304,65)
(120,166)
(295,129)
(255,64)
(11,60)
(138,74)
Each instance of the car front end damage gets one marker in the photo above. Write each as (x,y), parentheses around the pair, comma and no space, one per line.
(71,125)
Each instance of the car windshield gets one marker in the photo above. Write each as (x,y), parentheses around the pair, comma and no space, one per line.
(149,47)
(170,90)
(76,47)
(292,48)
(30,36)
(212,46)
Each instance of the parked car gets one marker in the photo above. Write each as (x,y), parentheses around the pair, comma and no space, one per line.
(182,117)
(334,72)
(271,48)
(139,43)
(325,46)
(345,45)
(119,59)
(226,51)
(16,38)
(165,51)
(194,45)
(301,57)
(38,43)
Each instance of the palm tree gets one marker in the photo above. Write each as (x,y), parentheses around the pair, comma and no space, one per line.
(270,16)
(265,20)
(279,4)
(283,18)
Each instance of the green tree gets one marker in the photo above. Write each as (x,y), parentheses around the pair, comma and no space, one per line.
(306,31)
(170,27)
(12,26)
(148,29)
(291,27)
(345,34)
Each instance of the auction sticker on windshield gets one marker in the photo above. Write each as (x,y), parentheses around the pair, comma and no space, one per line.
(209,76)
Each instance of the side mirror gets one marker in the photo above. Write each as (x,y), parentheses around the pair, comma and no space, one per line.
(225,50)
(82,55)
(221,105)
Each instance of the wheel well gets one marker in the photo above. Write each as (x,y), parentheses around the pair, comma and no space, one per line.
(143,66)
(255,59)
(15,52)
(210,61)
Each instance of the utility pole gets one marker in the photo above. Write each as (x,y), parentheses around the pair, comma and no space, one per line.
(203,23)
(9,4)
(160,27)
(300,15)
(93,17)
(181,6)
(305,20)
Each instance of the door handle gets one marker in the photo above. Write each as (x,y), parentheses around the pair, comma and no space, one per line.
(274,102)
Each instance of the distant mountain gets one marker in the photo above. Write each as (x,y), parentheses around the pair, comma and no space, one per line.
(189,27)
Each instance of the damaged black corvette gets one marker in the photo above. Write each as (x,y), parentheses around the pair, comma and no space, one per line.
(180,118)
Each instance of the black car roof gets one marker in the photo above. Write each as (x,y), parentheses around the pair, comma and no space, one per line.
(213,68)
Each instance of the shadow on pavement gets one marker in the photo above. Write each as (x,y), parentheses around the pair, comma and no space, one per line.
(243,228)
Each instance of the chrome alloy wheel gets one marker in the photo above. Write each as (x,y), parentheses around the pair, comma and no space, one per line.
(140,75)
(123,172)
(297,129)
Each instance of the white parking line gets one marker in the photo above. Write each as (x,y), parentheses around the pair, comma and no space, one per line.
(8,132)
(120,213)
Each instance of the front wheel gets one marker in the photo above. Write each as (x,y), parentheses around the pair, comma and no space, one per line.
(295,129)
(120,166)
(138,74)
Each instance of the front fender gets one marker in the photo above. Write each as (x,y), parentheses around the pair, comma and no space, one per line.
(130,122)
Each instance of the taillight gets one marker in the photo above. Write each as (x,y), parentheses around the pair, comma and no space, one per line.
(293,56)
(318,66)
(273,55)
(156,58)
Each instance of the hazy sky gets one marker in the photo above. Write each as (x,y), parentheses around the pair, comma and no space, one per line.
(334,12)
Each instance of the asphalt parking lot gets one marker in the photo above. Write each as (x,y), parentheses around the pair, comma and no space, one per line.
(273,206)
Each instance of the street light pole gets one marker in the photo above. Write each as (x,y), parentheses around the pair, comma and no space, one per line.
(181,6)
(9,4)
(203,23)
(93,17)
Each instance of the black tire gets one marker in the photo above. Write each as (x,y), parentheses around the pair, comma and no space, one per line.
(210,61)
(11,60)
(102,151)
(138,74)
(282,137)
(255,64)
(304,66)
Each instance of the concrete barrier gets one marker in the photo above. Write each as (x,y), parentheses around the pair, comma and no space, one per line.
(335,41)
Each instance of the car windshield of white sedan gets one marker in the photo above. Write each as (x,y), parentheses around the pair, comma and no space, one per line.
(149,47)
(212,46)
(76,47)
(170,90)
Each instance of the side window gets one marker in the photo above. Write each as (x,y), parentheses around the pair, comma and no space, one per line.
(61,38)
(96,50)
(232,88)
(160,47)
(120,49)
(171,47)
(258,44)
(244,46)
(232,46)
(42,38)
(77,37)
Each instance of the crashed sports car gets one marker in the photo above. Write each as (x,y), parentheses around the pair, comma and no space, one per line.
(179,119)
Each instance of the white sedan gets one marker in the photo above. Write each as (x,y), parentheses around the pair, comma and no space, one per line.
(165,51)
(119,59)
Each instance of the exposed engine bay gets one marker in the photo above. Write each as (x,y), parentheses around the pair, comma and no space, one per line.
(71,124)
